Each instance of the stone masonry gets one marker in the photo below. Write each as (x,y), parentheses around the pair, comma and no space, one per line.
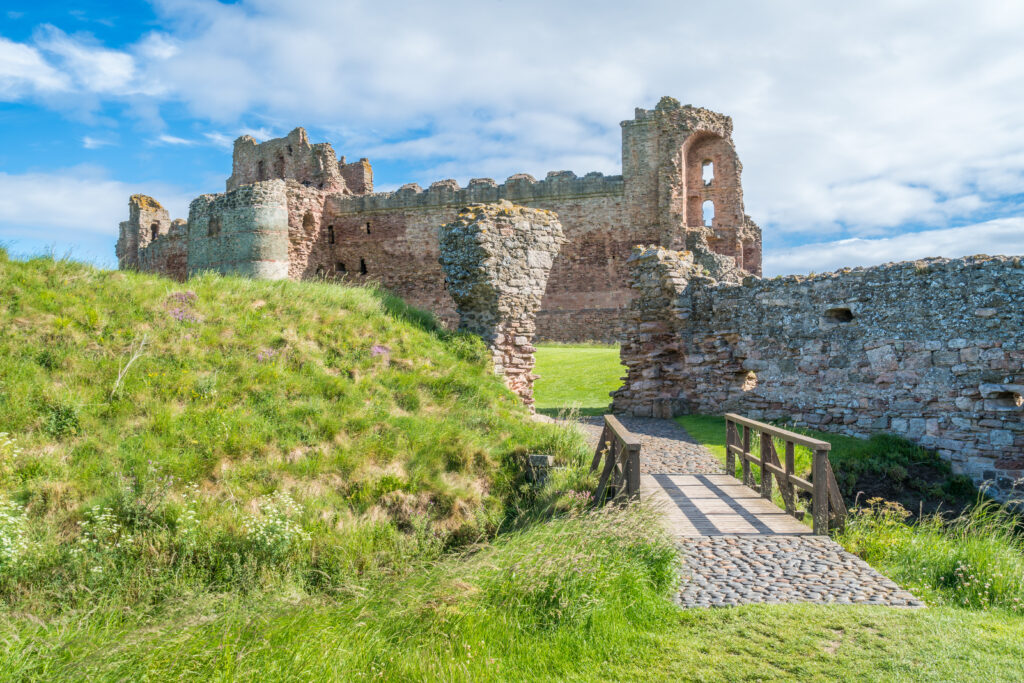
(932,350)
(680,187)
(496,259)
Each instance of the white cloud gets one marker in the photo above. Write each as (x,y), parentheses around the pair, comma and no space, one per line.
(63,204)
(1001,236)
(90,142)
(94,68)
(23,71)
(174,140)
(852,120)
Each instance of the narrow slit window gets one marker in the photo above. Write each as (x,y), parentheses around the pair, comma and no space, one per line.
(367,228)
(362,266)
(708,171)
(709,213)
(330,234)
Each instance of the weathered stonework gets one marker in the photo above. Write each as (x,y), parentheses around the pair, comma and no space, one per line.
(496,259)
(931,350)
(150,241)
(338,227)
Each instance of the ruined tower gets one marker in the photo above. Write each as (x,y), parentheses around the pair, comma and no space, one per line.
(682,177)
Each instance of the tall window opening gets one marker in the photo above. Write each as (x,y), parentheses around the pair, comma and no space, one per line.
(308,222)
(279,167)
(154,232)
(362,266)
(330,234)
(709,213)
(367,228)
(708,171)
(261,171)
(214,227)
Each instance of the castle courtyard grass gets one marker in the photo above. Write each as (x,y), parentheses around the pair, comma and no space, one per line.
(576,377)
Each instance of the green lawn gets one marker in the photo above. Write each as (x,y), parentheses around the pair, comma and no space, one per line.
(576,377)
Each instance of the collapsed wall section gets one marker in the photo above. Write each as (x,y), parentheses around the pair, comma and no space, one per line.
(931,350)
(496,259)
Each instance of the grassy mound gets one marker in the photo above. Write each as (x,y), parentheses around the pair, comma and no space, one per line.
(226,431)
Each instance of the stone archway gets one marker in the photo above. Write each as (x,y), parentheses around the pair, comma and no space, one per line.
(496,260)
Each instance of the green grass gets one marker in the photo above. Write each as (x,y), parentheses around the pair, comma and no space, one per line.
(218,433)
(266,496)
(576,377)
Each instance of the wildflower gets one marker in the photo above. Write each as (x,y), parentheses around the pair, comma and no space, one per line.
(379,350)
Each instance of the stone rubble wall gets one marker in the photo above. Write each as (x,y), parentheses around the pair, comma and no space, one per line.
(496,258)
(931,350)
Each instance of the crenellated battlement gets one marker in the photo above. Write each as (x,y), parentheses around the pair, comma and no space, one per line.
(520,188)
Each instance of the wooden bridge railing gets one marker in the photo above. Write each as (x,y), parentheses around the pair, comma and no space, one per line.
(828,509)
(620,474)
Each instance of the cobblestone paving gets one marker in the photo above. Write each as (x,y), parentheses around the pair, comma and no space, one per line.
(735,570)
(725,570)
(666,447)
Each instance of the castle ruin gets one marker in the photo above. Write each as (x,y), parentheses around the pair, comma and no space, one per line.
(292,209)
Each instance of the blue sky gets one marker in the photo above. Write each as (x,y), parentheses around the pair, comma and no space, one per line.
(869,131)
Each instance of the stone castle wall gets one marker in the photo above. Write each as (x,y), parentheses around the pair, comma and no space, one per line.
(336,227)
(931,350)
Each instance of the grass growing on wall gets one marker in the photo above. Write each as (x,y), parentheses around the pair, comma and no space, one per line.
(576,376)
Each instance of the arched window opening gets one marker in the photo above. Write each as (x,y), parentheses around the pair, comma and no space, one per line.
(339,267)
(362,266)
(367,228)
(154,232)
(308,222)
(708,171)
(330,234)
(214,226)
(709,213)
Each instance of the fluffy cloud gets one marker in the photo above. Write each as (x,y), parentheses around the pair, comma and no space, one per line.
(63,204)
(1002,236)
(858,120)
(24,71)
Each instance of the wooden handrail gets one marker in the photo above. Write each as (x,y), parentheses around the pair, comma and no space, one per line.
(828,509)
(789,436)
(620,474)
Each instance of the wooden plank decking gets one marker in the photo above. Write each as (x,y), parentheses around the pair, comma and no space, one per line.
(715,505)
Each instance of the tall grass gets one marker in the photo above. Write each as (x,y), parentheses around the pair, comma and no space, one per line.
(975,560)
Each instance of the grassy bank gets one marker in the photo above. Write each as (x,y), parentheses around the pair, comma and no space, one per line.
(237,480)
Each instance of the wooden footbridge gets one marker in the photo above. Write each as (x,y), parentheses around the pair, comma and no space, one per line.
(707,504)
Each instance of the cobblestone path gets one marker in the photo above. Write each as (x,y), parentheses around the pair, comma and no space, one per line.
(739,548)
